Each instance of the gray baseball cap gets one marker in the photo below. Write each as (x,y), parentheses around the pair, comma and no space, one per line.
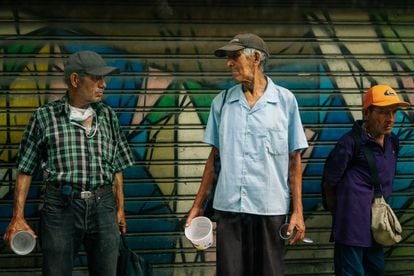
(242,41)
(88,62)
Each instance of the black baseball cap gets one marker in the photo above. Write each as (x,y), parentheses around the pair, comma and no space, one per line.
(88,62)
(242,41)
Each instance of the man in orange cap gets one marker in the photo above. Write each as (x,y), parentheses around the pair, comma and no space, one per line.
(349,185)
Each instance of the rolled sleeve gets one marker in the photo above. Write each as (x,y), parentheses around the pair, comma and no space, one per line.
(123,157)
(297,137)
(28,156)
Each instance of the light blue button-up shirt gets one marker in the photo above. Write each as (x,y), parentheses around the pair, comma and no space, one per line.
(254,145)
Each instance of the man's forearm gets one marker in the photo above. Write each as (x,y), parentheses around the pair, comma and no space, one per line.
(295,181)
(18,221)
(119,190)
(20,194)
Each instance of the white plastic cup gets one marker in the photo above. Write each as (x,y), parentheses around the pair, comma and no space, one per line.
(200,232)
(22,243)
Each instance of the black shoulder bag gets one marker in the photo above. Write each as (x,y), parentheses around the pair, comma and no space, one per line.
(131,264)
(208,210)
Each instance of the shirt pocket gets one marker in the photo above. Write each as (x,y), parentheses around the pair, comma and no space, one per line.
(276,142)
(109,148)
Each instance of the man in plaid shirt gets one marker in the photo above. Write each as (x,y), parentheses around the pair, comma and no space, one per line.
(79,146)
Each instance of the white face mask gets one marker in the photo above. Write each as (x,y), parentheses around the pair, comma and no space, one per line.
(79,114)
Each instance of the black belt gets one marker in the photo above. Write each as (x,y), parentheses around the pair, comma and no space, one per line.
(101,190)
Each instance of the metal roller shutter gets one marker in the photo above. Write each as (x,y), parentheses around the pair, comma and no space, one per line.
(326,52)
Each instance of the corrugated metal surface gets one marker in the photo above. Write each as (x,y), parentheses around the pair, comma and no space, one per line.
(327,53)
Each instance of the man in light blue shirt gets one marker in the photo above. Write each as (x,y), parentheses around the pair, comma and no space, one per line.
(256,128)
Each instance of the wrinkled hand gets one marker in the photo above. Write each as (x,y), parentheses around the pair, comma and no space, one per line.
(16,225)
(296,223)
(122,221)
(194,212)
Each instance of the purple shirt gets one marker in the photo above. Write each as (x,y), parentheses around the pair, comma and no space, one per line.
(354,191)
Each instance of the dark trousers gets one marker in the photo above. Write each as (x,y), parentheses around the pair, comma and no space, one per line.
(358,261)
(249,245)
(67,223)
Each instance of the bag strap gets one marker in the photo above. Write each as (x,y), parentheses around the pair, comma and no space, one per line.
(224,101)
(373,167)
(371,162)
(124,243)
(374,171)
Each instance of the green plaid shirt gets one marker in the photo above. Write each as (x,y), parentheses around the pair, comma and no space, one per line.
(66,154)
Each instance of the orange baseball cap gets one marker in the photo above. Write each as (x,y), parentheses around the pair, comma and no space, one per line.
(382,95)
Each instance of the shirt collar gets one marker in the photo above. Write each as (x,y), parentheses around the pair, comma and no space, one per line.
(272,91)
(270,95)
(64,105)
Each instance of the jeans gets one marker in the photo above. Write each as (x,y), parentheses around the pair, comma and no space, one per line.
(358,261)
(66,223)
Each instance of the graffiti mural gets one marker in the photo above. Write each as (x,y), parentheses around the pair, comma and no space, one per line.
(162,97)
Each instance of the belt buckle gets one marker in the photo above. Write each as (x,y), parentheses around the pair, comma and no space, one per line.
(85,194)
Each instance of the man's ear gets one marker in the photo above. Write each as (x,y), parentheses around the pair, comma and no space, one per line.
(74,79)
(257,57)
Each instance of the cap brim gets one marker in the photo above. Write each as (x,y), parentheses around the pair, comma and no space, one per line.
(399,103)
(222,52)
(403,104)
(103,71)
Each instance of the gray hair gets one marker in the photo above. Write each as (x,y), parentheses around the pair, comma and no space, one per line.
(67,77)
(250,52)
